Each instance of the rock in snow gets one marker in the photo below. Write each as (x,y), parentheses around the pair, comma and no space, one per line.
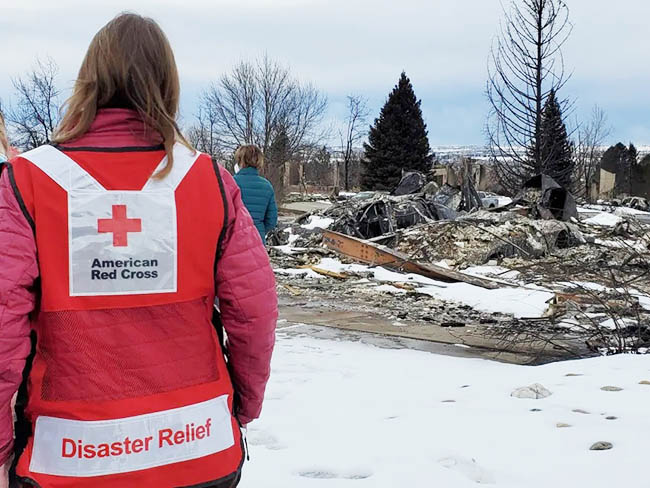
(579,410)
(611,388)
(535,392)
(601,446)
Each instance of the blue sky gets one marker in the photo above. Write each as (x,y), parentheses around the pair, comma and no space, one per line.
(360,47)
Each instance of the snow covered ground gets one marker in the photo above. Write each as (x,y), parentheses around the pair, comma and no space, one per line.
(604,216)
(529,301)
(344,414)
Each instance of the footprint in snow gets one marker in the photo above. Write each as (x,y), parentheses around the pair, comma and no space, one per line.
(331,474)
(275,396)
(264,439)
(468,468)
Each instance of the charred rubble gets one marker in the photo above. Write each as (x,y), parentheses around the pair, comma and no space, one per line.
(598,273)
(434,224)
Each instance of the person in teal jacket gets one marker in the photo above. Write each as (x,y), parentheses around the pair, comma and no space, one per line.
(256,192)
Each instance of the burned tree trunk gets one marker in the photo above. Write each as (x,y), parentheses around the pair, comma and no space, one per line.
(526,66)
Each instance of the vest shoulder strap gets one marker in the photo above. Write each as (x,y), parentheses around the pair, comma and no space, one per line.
(184,159)
(68,174)
(61,168)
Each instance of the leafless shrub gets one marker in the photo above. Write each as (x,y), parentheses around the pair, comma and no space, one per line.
(588,152)
(355,131)
(600,310)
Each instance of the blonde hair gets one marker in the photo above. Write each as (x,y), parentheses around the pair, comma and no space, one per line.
(129,64)
(249,156)
(4,141)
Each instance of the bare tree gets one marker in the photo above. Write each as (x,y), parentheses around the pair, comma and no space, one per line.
(36,113)
(354,132)
(526,66)
(258,101)
(202,134)
(588,152)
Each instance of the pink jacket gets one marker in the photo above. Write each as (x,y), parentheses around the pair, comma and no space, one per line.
(244,282)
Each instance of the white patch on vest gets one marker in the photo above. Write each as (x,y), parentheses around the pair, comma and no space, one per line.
(120,242)
(96,448)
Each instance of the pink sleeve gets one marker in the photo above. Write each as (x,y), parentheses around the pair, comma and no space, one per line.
(248,303)
(17,299)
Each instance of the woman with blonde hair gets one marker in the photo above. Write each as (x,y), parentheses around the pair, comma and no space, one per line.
(4,140)
(256,191)
(116,241)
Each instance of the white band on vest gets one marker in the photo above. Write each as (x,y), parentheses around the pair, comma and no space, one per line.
(96,448)
(120,242)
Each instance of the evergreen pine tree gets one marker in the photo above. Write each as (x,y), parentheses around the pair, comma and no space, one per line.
(397,141)
(555,147)
(614,158)
(645,162)
(623,161)
(630,169)
(641,178)
(633,154)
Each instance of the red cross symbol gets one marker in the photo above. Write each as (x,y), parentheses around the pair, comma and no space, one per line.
(119,225)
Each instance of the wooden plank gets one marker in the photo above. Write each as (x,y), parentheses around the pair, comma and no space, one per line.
(328,273)
(378,255)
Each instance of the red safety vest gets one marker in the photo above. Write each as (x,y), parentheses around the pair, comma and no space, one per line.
(129,386)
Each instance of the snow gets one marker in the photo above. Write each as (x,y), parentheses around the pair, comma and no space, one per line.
(644,301)
(585,210)
(491,271)
(504,200)
(625,211)
(317,222)
(636,245)
(603,219)
(579,286)
(288,249)
(390,289)
(292,237)
(520,302)
(341,414)
(620,323)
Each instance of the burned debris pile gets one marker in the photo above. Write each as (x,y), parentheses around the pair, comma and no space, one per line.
(591,263)
(546,199)
(430,224)
(483,237)
(381,215)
